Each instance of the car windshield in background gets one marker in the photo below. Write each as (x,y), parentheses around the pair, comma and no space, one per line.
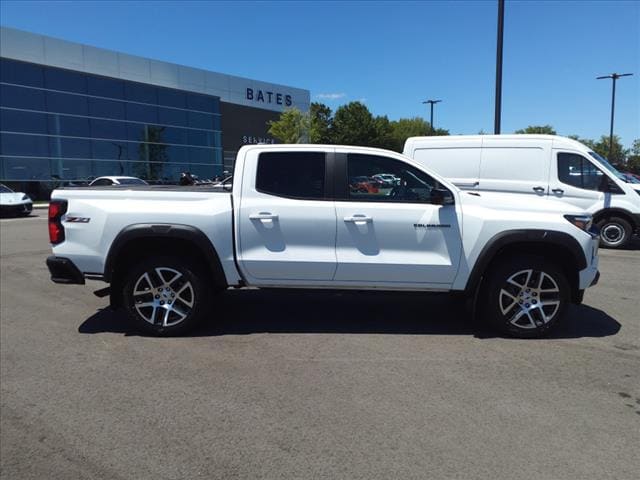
(131,181)
(609,167)
(4,189)
(630,178)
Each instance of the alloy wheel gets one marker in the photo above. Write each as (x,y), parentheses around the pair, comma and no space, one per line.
(163,296)
(529,299)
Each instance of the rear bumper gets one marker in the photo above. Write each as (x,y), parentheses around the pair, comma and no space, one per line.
(64,271)
(18,209)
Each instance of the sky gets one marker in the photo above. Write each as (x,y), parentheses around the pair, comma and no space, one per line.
(389,55)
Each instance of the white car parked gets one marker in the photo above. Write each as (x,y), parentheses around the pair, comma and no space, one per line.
(14,203)
(108,181)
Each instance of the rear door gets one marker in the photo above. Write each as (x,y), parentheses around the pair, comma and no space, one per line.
(286,218)
(515,165)
(392,235)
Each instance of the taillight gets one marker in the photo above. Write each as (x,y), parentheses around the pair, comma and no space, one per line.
(57,208)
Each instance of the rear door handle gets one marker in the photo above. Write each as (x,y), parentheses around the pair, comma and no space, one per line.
(559,191)
(358,219)
(538,189)
(264,216)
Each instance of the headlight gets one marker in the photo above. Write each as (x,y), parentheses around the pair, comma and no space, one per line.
(26,197)
(583,222)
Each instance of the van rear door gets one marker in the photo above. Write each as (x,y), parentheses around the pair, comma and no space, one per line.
(515,165)
(457,161)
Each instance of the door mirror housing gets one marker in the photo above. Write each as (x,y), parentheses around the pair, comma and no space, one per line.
(441,196)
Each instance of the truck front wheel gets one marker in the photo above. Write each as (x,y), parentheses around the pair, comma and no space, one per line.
(165,295)
(615,232)
(526,296)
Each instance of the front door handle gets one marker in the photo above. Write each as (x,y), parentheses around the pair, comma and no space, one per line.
(558,191)
(358,219)
(263,216)
(538,189)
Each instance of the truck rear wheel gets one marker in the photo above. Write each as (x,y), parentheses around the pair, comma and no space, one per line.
(165,295)
(526,296)
(615,232)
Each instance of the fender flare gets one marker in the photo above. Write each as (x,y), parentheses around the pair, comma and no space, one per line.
(530,236)
(165,231)
(608,212)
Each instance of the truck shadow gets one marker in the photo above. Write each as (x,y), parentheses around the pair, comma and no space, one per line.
(245,312)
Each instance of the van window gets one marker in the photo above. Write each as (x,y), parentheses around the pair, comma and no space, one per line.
(575,170)
(579,172)
(292,174)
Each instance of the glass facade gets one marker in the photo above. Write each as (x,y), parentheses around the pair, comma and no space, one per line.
(60,126)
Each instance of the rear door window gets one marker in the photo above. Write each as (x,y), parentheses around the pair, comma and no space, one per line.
(299,175)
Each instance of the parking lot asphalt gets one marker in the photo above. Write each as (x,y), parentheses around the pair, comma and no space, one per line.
(290,385)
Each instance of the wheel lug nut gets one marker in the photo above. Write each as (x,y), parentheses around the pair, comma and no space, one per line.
(157,297)
(173,295)
(161,303)
(534,302)
(520,302)
(526,305)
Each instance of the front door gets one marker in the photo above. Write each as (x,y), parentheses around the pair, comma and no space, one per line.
(577,181)
(388,231)
(286,219)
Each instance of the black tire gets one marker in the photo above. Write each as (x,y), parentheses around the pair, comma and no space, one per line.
(528,311)
(615,232)
(183,296)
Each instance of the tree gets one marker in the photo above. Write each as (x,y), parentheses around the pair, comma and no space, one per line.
(353,124)
(618,154)
(633,160)
(541,129)
(384,133)
(291,127)
(152,153)
(585,141)
(320,123)
(408,127)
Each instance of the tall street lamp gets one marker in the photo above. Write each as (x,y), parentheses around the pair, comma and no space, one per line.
(496,125)
(614,77)
(431,103)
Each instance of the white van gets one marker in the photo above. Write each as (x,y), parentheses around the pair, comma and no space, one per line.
(540,165)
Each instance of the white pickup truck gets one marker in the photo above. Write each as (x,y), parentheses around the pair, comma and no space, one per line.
(313,216)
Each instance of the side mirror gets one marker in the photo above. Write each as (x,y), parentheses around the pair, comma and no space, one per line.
(441,196)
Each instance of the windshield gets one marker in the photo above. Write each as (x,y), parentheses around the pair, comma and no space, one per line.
(609,167)
(4,189)
(131,181)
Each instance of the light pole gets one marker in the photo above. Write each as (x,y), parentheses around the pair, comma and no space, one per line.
(614,77)
(496,126)
(431,103)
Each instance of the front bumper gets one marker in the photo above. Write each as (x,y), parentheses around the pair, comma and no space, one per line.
(16,209)
(64,271)
(590,275)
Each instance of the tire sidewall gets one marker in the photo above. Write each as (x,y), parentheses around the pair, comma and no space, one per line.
(621,223)
(191,273)
(496,280)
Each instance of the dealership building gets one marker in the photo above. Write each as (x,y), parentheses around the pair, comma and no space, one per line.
(73,112)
